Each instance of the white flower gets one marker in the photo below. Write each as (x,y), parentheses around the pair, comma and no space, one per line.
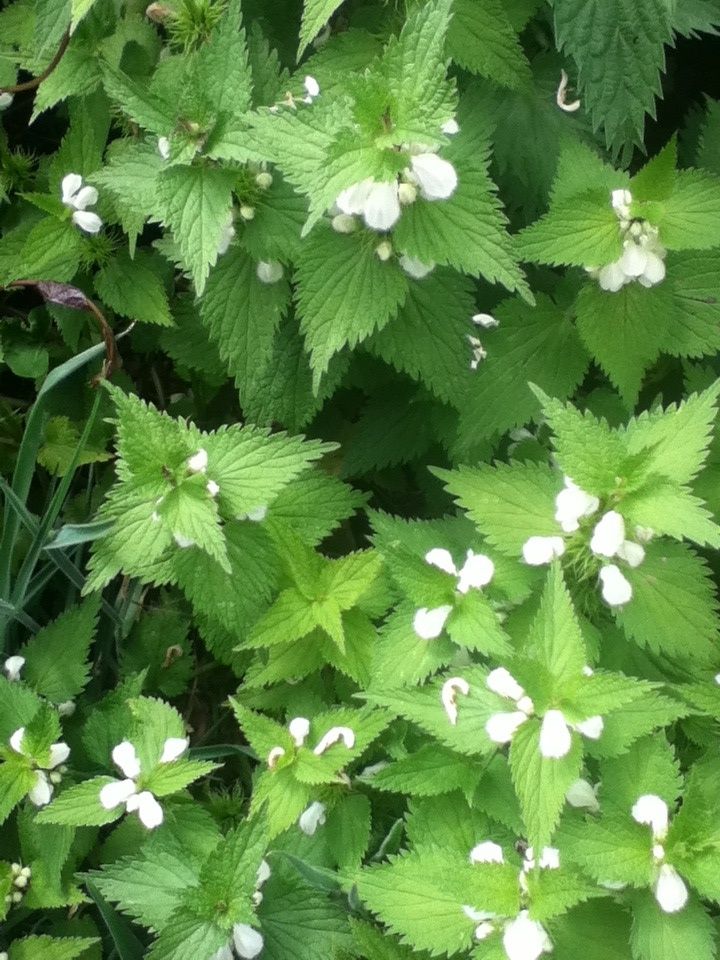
(442,559)
(643,256)
(502,682)
(312,88)
(448,696)
(212,488)
(485,320)
(571,504)
(416,268)
(644,534)
(299,728)
(477,571)
(608,535)
(125,791)
(450,127)
(312,818)
(652,811)
(436,177)
(616,590)
(5,100)
(163,146)
(670,890)
(274,755)
(78,198)
(269,271)
(501,727)
(591,728)
(66,708)
(555,738)
(621,199)
(333,736)
(226,234)
(632,553)
(43,787)
(483,930)
(378,203)
(561,95)
(487,852)
(428,624)
(344,223)
(582,794)
(173,748)
(247,941)
(198,462)
(13,666)
(525,939)
(539,550)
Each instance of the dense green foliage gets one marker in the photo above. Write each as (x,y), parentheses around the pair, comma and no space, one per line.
(361,473)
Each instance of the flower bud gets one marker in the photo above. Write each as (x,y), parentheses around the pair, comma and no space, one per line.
(384,250)
(264,180)
(407,193)
(247,212)
(344,223)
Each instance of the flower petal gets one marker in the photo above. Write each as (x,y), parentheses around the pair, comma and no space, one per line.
(149,810)
(70,185)
(59,752)
(87,221)
(436,177)
(442,559)
(428,624)
(125,758)
(381,210)
(116,792)
(670,890)
(248,941)
(42,791)
(312,818)
(84,198)
(555,737)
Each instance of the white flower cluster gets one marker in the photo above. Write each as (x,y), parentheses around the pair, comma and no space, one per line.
(555,730)
(522,938)
(78,198)
(380,203)
(299,729)
(643,256)
(20,880)
(608,541)
(125,791)
(669,888)
(477,572)
(46,777)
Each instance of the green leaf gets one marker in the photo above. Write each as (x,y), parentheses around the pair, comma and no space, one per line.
(56,659)
(581,232)
(531,345)
(126,943)
(195,203)
(509,503)
(316,14)
(299,923)
(555,638)
(80,806)
(429,772)
(540,782)
(147,108)
(673,608)
(134,289)
(670,936)
(420,897)
(149,887)
(618,46)
(482,39)
(625,331)
(16,781)
(345,293)
(241,315)
(51,948)
(187,938)
(690,213)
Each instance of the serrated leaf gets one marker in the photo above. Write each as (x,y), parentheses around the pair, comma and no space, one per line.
(134,289)
(482,39)
(56,659)
(316,14)
(195,202)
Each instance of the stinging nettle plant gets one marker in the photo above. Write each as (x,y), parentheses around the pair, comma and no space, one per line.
(360,467)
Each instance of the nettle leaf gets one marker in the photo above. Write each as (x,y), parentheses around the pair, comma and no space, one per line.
(194,202)
(689,213)
(51,948)
(482,39)
(672,589)
(657,935)
(508,502)
(133,288)
(581,231)
(531,345)
(541,783)
(56,658)
(241,315)
(625,331)
(316,13)
(345,293)
(420,897)
(619,47)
